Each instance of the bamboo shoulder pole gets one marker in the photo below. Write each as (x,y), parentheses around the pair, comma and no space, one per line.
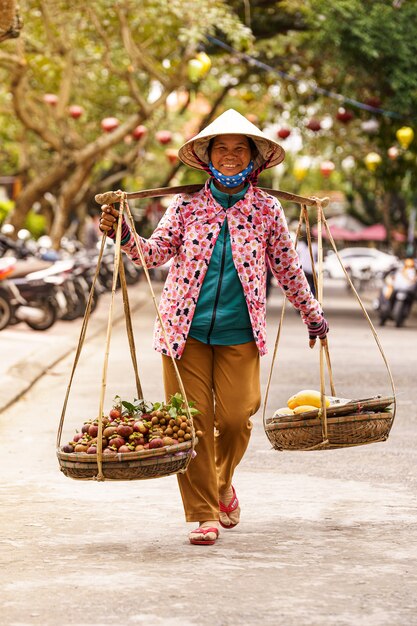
(110,197)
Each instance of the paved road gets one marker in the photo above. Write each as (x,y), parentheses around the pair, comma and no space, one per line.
(326,538)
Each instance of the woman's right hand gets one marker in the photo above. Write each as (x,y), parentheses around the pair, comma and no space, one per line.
(108,217)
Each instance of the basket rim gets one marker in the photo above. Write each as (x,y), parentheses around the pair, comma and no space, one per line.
(331,421)
(165,451)
(126,466)
(348,408)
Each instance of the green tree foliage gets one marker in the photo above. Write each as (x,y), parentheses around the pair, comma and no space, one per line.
(376,48)
(368,51)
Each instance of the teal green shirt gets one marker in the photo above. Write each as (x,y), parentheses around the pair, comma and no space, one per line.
(221,316)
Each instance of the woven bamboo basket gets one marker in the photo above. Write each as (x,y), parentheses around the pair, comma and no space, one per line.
(127,466)
(355,423)
(345,423)
(150,463)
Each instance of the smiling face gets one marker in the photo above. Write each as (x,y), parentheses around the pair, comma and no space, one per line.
(230,154)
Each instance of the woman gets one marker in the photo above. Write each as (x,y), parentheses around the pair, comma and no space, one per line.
(213,303)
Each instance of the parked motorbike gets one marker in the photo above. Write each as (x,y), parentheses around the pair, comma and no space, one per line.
(68,273)
(397,294)
(6,268)
(27,299)
(43,285)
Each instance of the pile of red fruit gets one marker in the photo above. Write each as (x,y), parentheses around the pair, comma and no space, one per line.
(137,426)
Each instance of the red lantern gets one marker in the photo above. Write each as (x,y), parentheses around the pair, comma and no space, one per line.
(163,136)
(172,155)
(109,123)
(252,118)
(51,98)
(283,132)
(344,115)
(374,102)
(393,153)
(139,132)
(326,168)
(314,125)
(75,111)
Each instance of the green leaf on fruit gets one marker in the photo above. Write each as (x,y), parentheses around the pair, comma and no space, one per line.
(130,407)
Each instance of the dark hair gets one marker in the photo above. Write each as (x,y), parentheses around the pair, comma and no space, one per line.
(252,146)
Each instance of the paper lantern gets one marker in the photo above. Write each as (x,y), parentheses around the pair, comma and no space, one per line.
(252,118)
(405,136)
(370,126)
(372,161)
(374,102)
(314,125)
(348,163)
(163,136)
(344,115)
(75,111)
(205,61)
(301,168)
(172,155)
(393,153)
(109,123)
(326,168)
(51,98)
(195,70)
(139,132)
(283,133)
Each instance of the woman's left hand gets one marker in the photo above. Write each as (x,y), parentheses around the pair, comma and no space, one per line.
(312,342)
(318,330)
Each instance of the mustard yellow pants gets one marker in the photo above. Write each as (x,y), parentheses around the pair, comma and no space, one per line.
(224,383)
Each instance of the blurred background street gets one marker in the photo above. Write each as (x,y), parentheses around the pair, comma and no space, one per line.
(100,96)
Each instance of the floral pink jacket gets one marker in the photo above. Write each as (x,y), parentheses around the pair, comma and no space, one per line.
(188,232)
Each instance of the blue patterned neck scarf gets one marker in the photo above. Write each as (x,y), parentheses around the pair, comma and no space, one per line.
(231,181)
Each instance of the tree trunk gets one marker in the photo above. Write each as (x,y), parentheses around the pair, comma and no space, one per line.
(34,192)
(10,23)
(69,191)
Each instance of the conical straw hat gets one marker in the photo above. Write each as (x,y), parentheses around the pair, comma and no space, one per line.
(231,123)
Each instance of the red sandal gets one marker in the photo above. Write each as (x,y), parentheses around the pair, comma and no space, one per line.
(232,506)
(203,530)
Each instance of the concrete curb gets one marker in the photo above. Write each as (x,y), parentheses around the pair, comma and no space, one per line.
(23,374)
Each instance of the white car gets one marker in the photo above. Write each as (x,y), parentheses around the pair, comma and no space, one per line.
(358,261)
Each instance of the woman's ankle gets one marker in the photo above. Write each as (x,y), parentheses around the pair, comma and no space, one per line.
(211,522)
(226,495)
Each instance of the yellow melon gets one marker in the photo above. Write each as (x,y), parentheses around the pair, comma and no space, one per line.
(283,411)
(308,397)
(304,408)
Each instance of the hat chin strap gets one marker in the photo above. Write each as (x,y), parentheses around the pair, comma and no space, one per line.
(253,178)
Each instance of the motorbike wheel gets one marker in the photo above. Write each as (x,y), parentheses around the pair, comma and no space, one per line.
(5,312)
(49,319)
(77,305)
(399,312)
